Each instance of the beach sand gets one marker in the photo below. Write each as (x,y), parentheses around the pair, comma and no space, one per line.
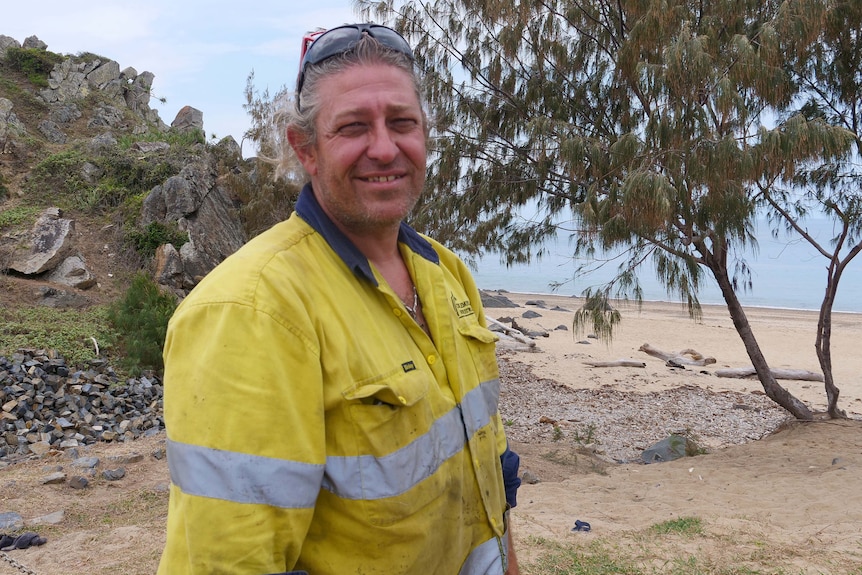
(788,502)
(791,501)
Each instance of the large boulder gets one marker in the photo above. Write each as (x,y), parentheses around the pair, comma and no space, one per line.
(48,243)
(7,42)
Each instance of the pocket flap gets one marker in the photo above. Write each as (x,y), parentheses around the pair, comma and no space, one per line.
(399,390)
(478,332)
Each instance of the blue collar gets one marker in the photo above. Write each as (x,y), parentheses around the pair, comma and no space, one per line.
(308,208)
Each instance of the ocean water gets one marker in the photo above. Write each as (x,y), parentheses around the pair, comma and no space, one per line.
(785,274)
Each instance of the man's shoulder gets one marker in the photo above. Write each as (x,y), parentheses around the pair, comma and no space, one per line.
(273,253)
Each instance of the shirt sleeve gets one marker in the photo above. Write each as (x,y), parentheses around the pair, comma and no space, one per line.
(246,441)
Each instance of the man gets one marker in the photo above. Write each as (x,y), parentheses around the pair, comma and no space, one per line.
(331,389)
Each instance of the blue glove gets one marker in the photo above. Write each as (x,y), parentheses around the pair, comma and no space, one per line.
(511,462)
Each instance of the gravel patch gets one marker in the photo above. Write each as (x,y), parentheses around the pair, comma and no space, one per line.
(619,425)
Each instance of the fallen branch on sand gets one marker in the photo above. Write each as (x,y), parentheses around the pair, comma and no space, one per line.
(512,339)
(743,372)
(679,357)
(616,363)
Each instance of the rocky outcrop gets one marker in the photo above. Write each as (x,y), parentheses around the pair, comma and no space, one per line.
(196,200)
(73,79)
(198,204)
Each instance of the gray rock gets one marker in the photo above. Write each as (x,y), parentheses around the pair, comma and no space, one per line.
(54,518)
(669,449)
(106,115)
(91,173)
(529,477)
(61,299)
(7,42)
(52,132)
(35,43)
(103,141)
(65,113)
(151,147)
(496,300)
(86,462)
(54,478)
(73,272)
(188,119)
(47,244)
(106,73)
(530,314)
(114,474)
(126,459)
(78,482)
(11,521)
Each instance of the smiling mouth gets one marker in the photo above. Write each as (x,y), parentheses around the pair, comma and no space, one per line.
(381,179)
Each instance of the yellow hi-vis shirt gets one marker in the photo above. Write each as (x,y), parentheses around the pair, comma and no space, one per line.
(313,425)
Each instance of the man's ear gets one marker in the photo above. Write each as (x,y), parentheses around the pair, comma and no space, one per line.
(303,150)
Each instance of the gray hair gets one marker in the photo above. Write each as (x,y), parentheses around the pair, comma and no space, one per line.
(367,51)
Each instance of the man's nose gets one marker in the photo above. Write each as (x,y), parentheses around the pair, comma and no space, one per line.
(382,145)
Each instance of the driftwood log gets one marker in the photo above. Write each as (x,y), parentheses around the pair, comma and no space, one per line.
(616,363)
(512,339)
(684,357)
(743,372)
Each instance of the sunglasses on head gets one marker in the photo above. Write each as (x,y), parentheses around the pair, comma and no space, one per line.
(343,39)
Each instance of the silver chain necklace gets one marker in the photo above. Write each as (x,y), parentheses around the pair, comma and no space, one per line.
(412,309)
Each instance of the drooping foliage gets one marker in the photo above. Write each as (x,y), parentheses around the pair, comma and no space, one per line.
(644,125)
(266,200)
(829,76)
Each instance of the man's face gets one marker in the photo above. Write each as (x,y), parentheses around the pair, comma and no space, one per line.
(368,165)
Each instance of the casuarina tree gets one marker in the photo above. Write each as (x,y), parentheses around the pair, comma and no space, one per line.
(643,125)
(828,73)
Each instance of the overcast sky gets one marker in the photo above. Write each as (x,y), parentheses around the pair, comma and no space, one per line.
(201,52)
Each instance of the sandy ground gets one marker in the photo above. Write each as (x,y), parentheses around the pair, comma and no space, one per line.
(786,337)
(789,503)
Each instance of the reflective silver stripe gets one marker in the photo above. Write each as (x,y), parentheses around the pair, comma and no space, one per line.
(480,405)
(243,478)
(402,470)
(487,558)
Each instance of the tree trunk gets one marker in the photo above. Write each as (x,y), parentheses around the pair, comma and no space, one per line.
(824,338)
(771,386)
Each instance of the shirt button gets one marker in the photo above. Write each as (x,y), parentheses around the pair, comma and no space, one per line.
(432,359)
(397,312)
(402,399)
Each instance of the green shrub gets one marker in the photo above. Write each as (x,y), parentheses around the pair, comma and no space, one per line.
(183,140)
(140,319)
(73,333)
(18,215)
(34,63)
(58,175)
(156,234)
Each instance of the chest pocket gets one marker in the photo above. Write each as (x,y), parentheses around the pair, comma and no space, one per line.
(481,343)
(402,429)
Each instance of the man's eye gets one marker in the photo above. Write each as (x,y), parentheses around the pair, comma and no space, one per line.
(404,123)
(352,128)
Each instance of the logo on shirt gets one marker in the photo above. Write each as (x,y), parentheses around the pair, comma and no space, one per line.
(462,308)
(408,366)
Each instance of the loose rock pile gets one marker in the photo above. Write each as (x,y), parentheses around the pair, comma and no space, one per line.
(48,405)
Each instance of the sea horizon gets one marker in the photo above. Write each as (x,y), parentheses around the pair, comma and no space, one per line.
(785,275)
